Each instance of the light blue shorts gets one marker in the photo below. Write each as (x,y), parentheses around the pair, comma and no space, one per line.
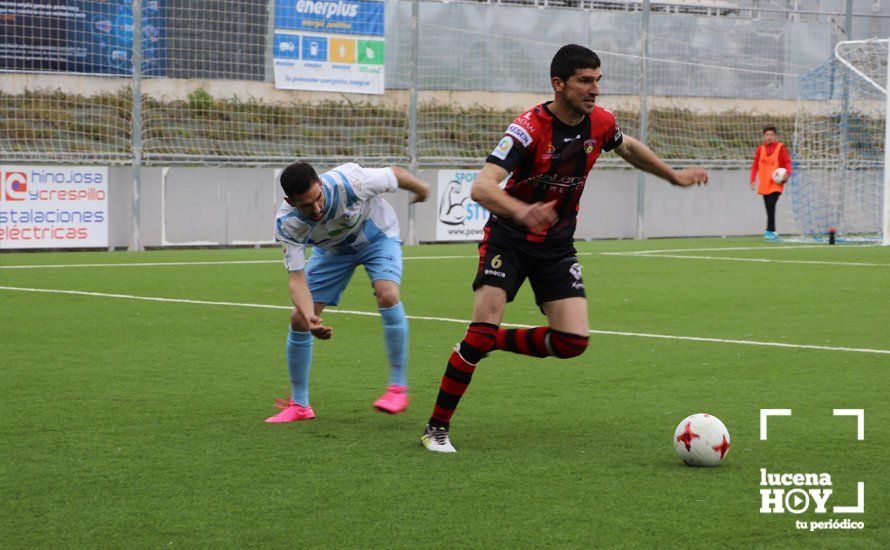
(328,273)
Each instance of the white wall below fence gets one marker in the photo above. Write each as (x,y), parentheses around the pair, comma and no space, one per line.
(236,206)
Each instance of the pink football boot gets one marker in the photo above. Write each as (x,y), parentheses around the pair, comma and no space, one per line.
(290,412)
(394,401)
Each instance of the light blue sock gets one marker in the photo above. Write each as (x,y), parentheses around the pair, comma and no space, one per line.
(299,358)
(395,332)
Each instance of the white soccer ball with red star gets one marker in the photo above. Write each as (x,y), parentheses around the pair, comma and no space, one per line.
(701,440)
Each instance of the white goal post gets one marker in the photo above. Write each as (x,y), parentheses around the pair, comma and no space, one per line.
(839,54)
(841,183)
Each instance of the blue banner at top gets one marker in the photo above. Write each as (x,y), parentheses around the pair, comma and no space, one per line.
(327,16)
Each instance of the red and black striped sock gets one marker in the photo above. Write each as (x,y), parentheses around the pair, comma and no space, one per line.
(525,341)
(478,341)
(541,342)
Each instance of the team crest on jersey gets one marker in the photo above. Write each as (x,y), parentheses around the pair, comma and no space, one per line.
(503,148)
(356,183)
(589,145)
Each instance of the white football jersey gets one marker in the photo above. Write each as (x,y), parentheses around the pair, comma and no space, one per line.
(353,214)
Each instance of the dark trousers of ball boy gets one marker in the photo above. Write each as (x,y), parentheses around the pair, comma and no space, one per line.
(770,202)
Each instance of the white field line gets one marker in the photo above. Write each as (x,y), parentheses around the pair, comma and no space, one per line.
(140,264)
(446,320)
(222,262)
(668,253)
(759,260)
(663,253)
(720,249)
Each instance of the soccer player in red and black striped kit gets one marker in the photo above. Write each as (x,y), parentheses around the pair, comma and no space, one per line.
(549,149)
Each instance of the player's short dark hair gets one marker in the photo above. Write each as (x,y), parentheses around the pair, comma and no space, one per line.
(570,58)
(297,178)
(770,128)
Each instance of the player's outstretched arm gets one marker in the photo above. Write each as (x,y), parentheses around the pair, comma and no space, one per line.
(304,316)
(409,182)
(640,156)
(487,192)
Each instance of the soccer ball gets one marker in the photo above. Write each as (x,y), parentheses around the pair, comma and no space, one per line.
(779,175)
(701,440)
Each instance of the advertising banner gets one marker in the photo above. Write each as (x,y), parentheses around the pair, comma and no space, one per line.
(80,37)
(329,46)
(459,217)
(53,206)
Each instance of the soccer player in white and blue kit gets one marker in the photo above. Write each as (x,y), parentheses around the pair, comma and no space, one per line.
(342,217)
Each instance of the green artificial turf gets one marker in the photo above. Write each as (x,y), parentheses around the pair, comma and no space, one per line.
(132,423)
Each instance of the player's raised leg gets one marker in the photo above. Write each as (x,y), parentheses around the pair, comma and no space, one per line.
(560,293)
(566,335)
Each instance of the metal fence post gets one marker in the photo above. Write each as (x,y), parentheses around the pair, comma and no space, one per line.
(838,222)
(136,127)
(644,118)
(268,59)
(412,114)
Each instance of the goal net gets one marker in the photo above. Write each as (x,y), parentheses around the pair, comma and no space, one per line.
(839,145)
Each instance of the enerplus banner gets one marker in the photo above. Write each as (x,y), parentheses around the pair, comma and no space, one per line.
(334,46)
(53,206)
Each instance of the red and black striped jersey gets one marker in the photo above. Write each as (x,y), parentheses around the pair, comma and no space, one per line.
(551,160)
